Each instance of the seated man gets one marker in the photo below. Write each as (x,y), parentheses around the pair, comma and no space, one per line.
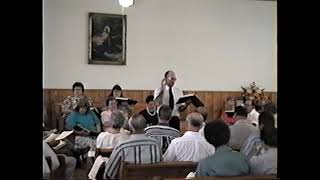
(48,152)
(241,129)
(225,161)
(138,149)
(150,112)
(191,146)
(162,132)
(204,112)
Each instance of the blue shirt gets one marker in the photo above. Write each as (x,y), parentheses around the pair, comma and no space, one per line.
(88,121)
(224,162)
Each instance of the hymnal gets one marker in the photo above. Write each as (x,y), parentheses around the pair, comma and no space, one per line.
(63,135)
(130,101)
(60,145)
(194,99)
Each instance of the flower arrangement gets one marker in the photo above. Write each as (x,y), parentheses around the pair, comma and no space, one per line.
(253,92)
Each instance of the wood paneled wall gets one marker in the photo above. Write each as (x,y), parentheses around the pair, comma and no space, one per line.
(213,100)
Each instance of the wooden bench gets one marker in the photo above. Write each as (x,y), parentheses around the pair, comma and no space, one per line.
(264,177)
(162,169)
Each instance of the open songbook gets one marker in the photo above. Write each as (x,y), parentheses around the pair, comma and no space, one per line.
(48,133)
(60,145)
(129,101)
(193,97)
(57,137)
(63,135)
(78,127)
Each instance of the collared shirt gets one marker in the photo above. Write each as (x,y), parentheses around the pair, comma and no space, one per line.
(253,117)
(138,149)
(239,132)
(177,93)
(163,134)
(265,163)
(224,162)
(107,140)
(190,147)
(201,131)
(252,145)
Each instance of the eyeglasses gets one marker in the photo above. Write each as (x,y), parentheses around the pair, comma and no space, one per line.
(174,79)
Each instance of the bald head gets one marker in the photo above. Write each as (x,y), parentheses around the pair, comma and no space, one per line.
(137,123)
(203,111)
(194,120)
(170,78)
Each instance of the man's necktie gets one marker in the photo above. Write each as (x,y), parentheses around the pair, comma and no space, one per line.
(171,100)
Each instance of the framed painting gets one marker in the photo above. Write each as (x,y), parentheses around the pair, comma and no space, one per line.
(107,39)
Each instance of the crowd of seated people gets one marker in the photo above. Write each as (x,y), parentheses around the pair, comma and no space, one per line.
(239,143)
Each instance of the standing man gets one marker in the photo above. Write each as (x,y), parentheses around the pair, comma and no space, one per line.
(169,95)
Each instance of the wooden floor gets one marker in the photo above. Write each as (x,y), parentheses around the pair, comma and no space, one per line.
(83,171)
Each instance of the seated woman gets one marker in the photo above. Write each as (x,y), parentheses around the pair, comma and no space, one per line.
(116,91)
(111,104)
(71,102)
(265,161)
(109,139)
(84,117)
(150,112)
(228,112)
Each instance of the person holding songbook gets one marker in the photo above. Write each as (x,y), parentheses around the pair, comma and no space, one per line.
(169,95)
(228,113)
(85,124)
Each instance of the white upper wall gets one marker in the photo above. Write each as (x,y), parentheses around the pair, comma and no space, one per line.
(214,45)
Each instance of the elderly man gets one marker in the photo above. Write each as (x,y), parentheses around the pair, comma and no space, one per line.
(191,146)
(162,132)
(138,149)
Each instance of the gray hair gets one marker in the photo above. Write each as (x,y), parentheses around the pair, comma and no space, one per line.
(117,119)
(137,122)
(195,119)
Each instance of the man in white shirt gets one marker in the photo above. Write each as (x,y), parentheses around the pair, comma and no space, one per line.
(253,111)
(169,95)
(191,146)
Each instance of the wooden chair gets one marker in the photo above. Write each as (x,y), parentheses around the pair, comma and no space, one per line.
(162,169)
(105,152)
